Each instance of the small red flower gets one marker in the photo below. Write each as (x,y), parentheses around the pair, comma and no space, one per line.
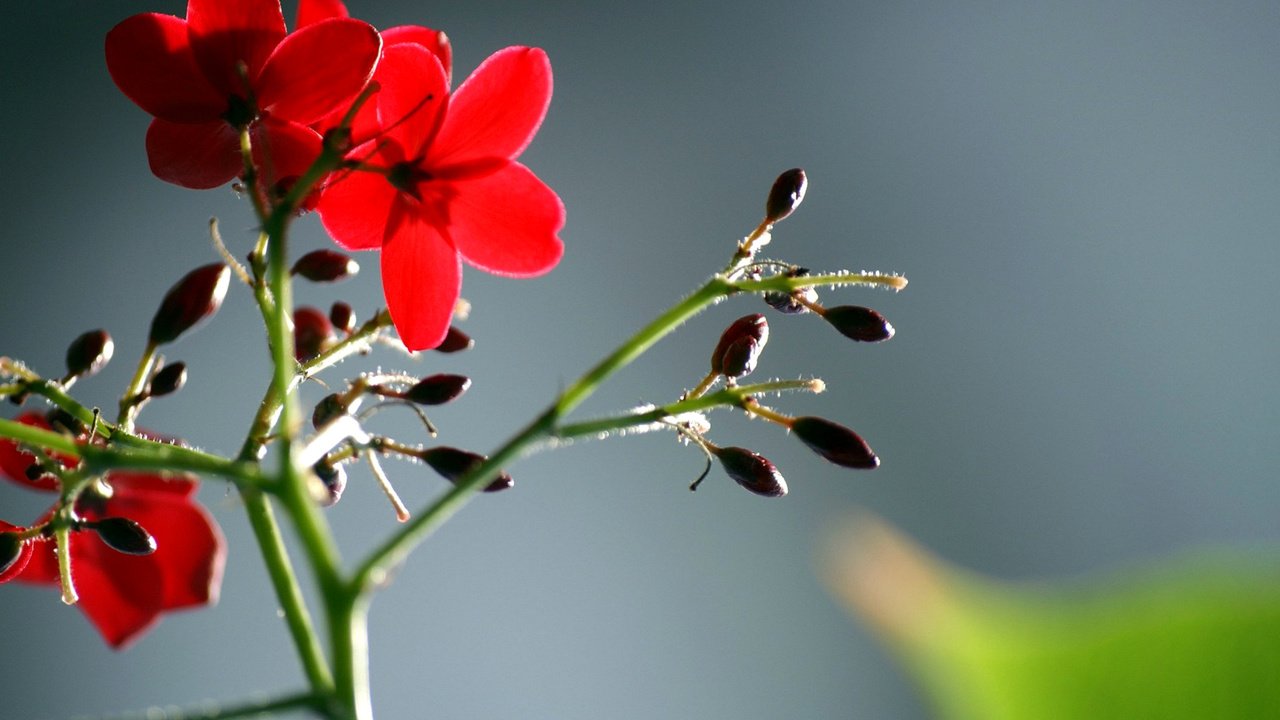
(124,595)
(231,65)
(445,185)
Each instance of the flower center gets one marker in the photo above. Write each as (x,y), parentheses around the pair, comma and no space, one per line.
(405,176)
(240,112)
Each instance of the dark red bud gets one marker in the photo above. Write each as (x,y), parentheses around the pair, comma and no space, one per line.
(786,195)
(453,463)
(438,389)
(334,478)
(859,323)
(169,380)
(89,353)
(834,442)
(789,303)
(12,548)
(311,332)
(195,297)
(342,317)
(124,535)
(455,341)
(325,266)
(327,410)
(740,346)
(64,421)
(752,471)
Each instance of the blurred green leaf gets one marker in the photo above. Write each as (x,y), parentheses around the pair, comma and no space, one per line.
(1192,637)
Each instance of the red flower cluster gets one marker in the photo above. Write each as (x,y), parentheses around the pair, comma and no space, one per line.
(123,594)
(432,179)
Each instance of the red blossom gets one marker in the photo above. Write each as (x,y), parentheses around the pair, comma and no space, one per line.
(124,595)
(444,184)
(231,65)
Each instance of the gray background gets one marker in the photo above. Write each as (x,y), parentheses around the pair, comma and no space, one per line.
(1082,194)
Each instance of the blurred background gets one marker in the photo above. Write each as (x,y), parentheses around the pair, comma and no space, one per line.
(1083,196)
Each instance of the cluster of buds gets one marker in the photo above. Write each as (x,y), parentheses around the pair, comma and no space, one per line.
(738,351)
(388,390)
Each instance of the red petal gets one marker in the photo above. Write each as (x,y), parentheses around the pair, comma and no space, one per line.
(413,96)
(356,208)
(311,12)
(122,594)
(283,152)
(14,461)
(190,550)
(496,111)
(421,277)
(43,568)
(225,33)
(435,41)
(134,484)
(24,555)
(150,60)
(200,156)
(506,222)
(318,68)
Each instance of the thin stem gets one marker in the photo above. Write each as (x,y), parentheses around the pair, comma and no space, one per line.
(62,537)
(252,709)
(133,395)
(285,582)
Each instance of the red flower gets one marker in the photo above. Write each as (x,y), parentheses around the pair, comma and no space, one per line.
(230,65)
(124,595)
(445,185)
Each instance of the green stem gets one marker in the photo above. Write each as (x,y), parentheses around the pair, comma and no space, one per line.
(285,582)
(285,703)
(728,397)
(133,394)
(375,568)
(349,633)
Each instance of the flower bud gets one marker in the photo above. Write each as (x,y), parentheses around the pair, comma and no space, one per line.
(786,195)
(14,554)
(325,266)
(834,442)
(311,332)
(740,346)
(169,380)
(63,421)
(438,389)
(329,408)
(89,353)
(455,341)
(334,478)
(195,297)
(342,317)
(453,463)
(752,471)
(859,323)
(124,535)
(789,303)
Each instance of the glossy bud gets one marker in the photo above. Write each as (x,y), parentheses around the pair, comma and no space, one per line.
(89,353)
(325,266)
(453,463)
(789,303)
(311,333)
(195,297)
(169,380)
(124,535)
(327,410)
(752,471)
(438,389)
(740,346)
(859,323)
(12,550)
(342,317)
(786,195)
(334,478)
(835,443)
(455,341)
